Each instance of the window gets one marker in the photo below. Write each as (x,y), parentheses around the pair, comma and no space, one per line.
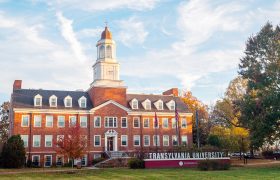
(165,122)
(160,105)
(124,122)
(111,122)
(61,121)
(83,121)
(48,140)
(59,160)
(184,140)
(84,160)
(36,140)
(108,51)
(165,140)
(49,121)
(171,105)
(72,121)
(38,100)
(25,121)
(146,140)
(134,104)
(37,120)
(156,140)
(156,122)
(146,123)
(102,52)
(25,140)
(174,123)
(97,121)
(136,140)
(147,104)
(136,123)
(124,140)
(68,101)
(174,140)
(48,160)
(97,140)
(53,101)
(83,102)
(183,123)
(36,160)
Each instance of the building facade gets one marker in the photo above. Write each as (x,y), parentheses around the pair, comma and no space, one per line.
(111,119)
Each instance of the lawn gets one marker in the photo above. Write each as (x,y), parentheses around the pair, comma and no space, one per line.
(234,173)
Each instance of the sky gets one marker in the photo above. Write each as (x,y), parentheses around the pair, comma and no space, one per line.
(194,45)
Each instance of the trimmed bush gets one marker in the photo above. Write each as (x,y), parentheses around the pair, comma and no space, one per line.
(136,163)
(207,164)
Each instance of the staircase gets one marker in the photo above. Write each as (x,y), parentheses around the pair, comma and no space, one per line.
(115,159)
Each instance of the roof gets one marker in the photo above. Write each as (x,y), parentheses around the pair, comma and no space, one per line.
(106,34)
(24,98)
(181,106)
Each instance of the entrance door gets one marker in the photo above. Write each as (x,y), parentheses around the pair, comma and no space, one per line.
(110,144)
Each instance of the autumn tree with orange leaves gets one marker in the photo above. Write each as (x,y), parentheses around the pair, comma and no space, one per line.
(71,143)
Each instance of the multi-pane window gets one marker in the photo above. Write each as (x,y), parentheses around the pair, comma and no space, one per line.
(136,140)
(72,120)
(165,140)
(134,104)
(84,160)
(68,101)
(37,120)
(36,140)
(53,101)
(59,160)
(25,121)
(111,122)
(124,122)
(160,105)
(148,104)
(172,105)
(48,160)
(36,160)
(97,140)
(156,140)
(48,140)
(83,102)
(174,140)
(146,123)
(25,140)
(165,122)
(184,140)
(174,123)
(124,140)
(61,121)
(146,140)
(97,121)
(136,122)
(49,121)
(83,121)
(38,101)
(184,123)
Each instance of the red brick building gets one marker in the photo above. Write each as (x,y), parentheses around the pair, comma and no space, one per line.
(110,118)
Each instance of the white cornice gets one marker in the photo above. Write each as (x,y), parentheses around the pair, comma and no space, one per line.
(110,102)
(139,113)
(53,111)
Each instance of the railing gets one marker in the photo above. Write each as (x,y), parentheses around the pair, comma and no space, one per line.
(116,154)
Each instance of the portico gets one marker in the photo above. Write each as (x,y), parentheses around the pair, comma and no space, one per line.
(111,140)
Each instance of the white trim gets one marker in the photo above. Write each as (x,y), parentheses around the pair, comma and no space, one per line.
(65,101)
(162,123)
(163,140)
(144,140)
(81,118)
(46,161)
(53,97)
(138,119)
(144,104)
(131,103)
(39,162)
(34,141)
(146,118)
(126,140)
(158,140)
(58,121)
(157,104)
(114,118)
(139,113)
(28,120)
(134,136)
(184,159)
(70,123)
(46,141)
(46,121)
(80,101)
(52,111)
(94,118)
(42,152)
(125,123)
(99,141)
(40,97)
(110,102)
(34,124)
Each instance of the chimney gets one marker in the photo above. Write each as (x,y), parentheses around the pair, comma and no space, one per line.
(17,84)
(172,91)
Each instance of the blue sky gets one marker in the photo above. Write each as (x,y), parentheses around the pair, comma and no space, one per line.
(193,45)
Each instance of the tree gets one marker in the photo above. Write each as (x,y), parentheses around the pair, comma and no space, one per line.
(72,143)
(13,154)
(4,122)
(259,106)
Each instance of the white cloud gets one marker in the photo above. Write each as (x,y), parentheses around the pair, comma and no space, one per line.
(90,33)
(132,31)
(70,37)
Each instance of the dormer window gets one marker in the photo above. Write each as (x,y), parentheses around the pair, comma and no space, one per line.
(134,104)
(159,104)
(38,100)
(171,105)
(147,104)
(83,102)
(68,101)
(53,101)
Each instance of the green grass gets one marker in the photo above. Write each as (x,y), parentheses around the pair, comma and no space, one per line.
(234,173)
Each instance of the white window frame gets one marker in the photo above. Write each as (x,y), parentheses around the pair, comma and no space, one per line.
(182,137)
(33,139)
(134,102)
(185,122)
(53,97)
(47,116)
(65,101)
(134,140)
(38,159)
(171,105)
(165,141)
(144,104)
(70,122)
(35,119)
(163,122)
(134,119)
(45,158)
(149,140)
(158,140)
(144,122)
(83,98)
(58,118)
(126,142)
(38,96)
(47,138)
(95,140)
(158,103)
(28,120)
(25,140)
(123,118)
(85,119)
(94,123)
(114,119)
(174,137)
